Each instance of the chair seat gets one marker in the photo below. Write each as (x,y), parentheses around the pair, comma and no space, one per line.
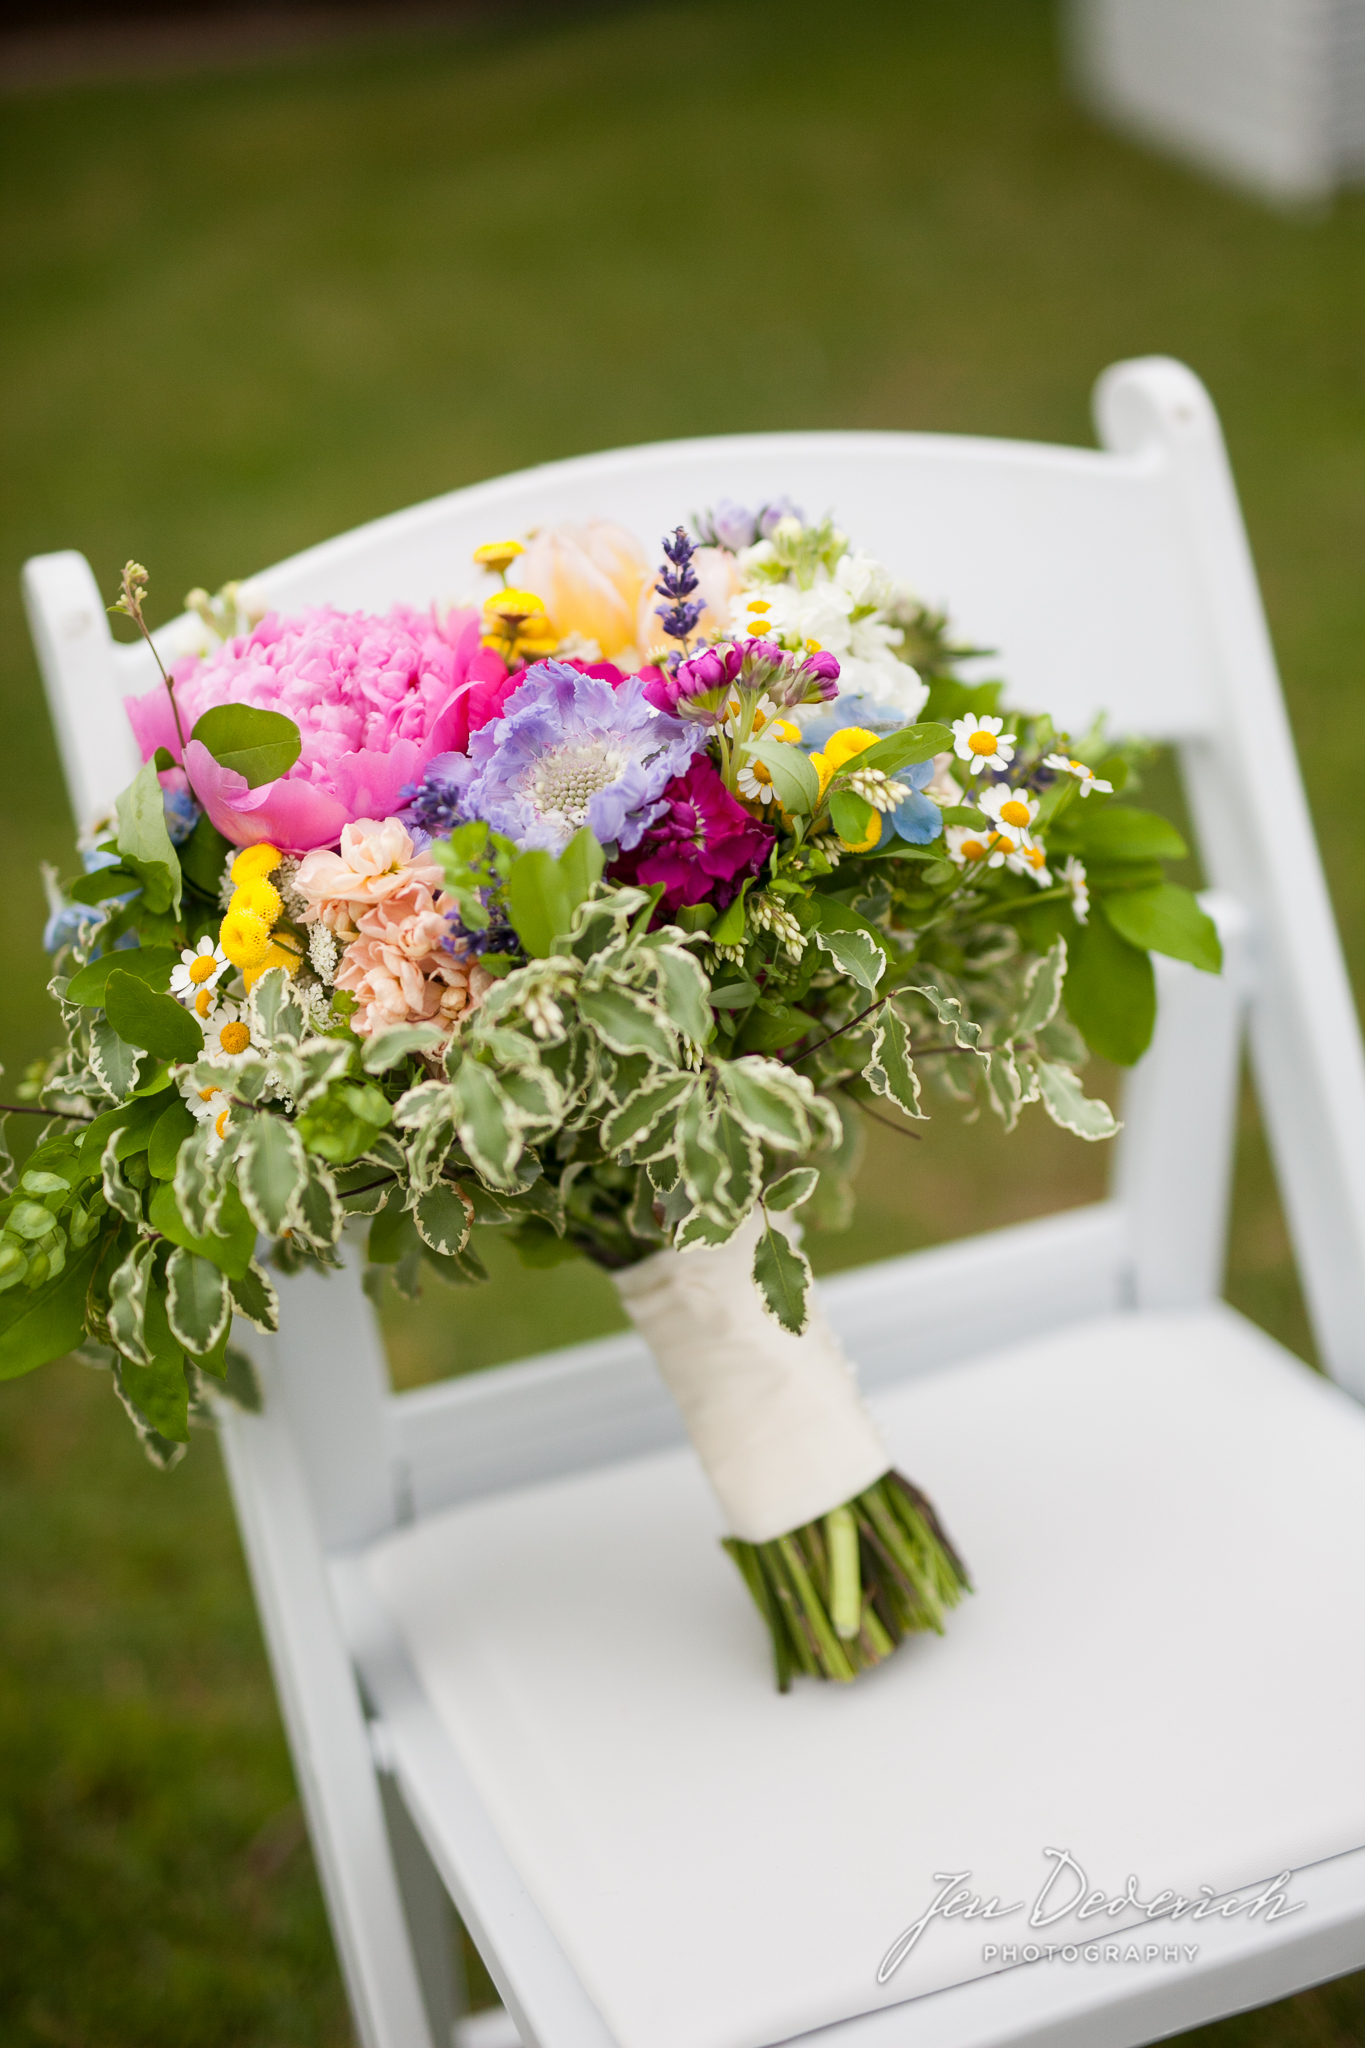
(1162,1672)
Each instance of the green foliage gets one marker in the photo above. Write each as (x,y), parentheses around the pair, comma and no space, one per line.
(782,1277)
(543,892)
(144,844)
(1110,991)
(143,1017)
(259,745)
(1166,919)
(150,964)
(793,777)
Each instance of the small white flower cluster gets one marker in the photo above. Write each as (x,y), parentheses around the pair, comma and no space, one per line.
(877,788)
(324,953)
(766,914)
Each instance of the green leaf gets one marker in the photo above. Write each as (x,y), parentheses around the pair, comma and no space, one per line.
(851,816)
(129,1285)
(1167,920)
(124,1200)
(393,1234)
(261,745)
(705,1169)
(157,1023)
(1116,832)
(792,1191)
(488,1126)
(627,1022)
(581,865)
(387,1048)
(782,1276)
(172,1126)
(769,1100)
(271,1171)
(230,1252)
(113,1060)
(254,1296)
(770,1025)
(890,1071)
(538,901)
(728,929)
(904,748)
(38,1327)
(1067,1103)
(1042,992)
(103,883)
(684,992)
(317,1213)
(443,1218)
(794,776)
(1110,992)
(856,954)
(240,1381)
(634,1119)
(150,964)
(204,855)
(144,843)
(198,1305)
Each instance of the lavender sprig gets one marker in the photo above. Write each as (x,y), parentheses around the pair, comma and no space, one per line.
(676,582)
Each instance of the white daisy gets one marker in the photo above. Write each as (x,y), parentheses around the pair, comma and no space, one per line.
(754,781)
(970,847)
(982,743)
(197,971)
(1073,875)
(1030,859)
(764,711)
(226,1030)
(1011,810)
(1063,764)
(212,1107)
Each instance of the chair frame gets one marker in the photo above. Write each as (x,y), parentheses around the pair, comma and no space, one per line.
(335,1459)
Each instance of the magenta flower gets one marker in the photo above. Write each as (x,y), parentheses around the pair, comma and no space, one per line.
(697,688)
(703,846)
(374,699)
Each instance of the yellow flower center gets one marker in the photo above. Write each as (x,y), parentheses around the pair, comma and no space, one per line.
(221,1122)
(759,772)
(207,1094)
(759,604)
(255,861)
(783,729)
(1014,813)
(1035,856)
(760,720)
(234,1037)
(203,1002)
(974,849)
(981,743)
(202,967)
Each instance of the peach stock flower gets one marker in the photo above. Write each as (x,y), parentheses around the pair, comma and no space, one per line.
(377,861)
(400,969)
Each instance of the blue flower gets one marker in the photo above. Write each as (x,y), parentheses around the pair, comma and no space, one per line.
(918,818)
(570,750)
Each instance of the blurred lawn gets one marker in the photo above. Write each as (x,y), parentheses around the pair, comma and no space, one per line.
(244,313)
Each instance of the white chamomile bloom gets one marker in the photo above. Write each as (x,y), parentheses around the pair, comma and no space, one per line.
(1073,876)
(982,743)
(1063,764)
(764,711)
(227,1030)
(971,847)
(213,1108)
(1028,859)
(754,781)
(198,971)
(1010,810)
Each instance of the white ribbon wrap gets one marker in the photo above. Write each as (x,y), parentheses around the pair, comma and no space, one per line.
(777,1420)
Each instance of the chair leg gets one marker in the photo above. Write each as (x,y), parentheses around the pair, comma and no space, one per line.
(430,1917)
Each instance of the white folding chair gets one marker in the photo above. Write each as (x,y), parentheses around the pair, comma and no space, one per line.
(507,1647)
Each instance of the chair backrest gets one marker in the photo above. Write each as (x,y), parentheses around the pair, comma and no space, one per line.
(1118,580)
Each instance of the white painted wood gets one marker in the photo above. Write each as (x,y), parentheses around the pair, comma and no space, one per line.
(1118,579)
(1171,1175)
(316,1687)
(1267,93)
(1256,839)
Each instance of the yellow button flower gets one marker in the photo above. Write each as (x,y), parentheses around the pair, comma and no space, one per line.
(281,952)
(244,936)
(260,896)
(254,862)
(498,555)
(874,833)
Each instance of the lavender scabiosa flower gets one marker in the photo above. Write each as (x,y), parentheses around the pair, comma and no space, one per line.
(571,751)
(676,582)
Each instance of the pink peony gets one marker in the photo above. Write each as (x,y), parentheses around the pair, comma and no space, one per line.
(373,697)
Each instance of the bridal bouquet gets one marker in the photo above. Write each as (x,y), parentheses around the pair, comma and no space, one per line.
(598,911)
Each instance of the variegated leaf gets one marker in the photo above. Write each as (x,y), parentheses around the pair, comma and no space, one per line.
(890,1072)
(254,1297)
(125,1201)
(1068,1105)
(197,1301)
(128,1302)
(1042,992)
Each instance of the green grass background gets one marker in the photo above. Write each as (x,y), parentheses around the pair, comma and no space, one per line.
(246,311)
